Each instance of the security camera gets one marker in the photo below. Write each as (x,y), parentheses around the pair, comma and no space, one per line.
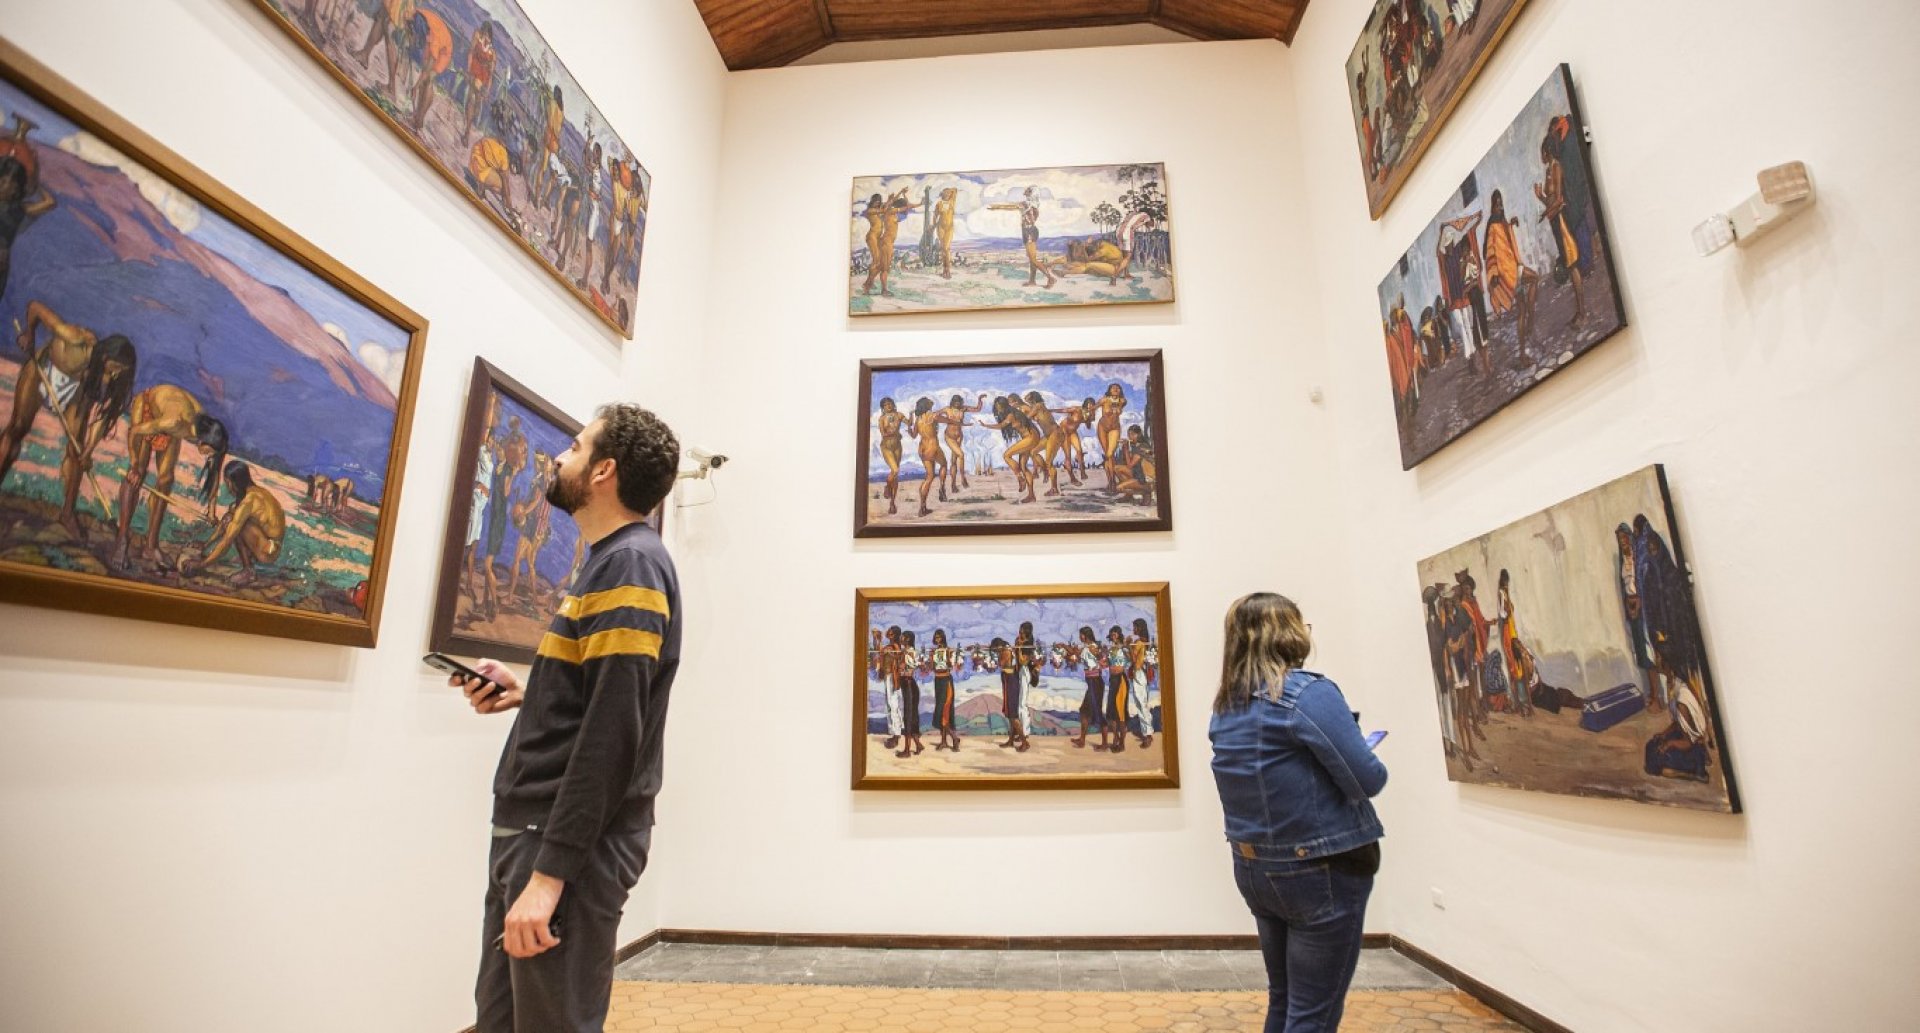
(707,459)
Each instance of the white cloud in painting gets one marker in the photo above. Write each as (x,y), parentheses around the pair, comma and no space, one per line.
(1066,198)
(385,364)
(171,202)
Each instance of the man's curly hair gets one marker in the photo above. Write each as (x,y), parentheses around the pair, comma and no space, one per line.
(645,454)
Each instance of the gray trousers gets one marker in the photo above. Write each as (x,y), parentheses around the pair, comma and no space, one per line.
(566,989)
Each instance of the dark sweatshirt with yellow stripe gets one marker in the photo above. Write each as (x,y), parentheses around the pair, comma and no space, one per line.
(583,758)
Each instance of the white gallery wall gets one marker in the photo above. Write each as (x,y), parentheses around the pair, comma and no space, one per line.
(1775,382)
(759,830)
(208,830)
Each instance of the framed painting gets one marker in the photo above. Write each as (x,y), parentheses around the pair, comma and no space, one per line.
(1411,65)
(509,554)
(1012,444)
(1010,238)
(1014,687)
(1568,658)
(206,415)
(1512,280)
(474,88)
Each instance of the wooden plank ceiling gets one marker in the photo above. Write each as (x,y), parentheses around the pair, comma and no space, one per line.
(770,33)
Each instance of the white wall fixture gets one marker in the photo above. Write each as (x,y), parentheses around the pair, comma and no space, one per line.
(1785,191)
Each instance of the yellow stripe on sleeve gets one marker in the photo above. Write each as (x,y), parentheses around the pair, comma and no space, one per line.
(612,642)
(633,596)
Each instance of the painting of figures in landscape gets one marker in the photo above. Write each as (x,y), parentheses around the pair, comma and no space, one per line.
(1567,655)
(1012,238)
(200,427)
(473,86)
(1066,686)
(1012,445)
(1413,62)
(1512,280)
(510,553)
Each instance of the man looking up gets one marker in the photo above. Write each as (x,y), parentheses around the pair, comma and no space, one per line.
(573,797)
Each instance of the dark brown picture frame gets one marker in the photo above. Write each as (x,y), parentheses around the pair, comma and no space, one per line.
(1158,516)
(121,597)
(1166,736)
(447,636)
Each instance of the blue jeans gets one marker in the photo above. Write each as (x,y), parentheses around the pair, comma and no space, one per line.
(1310,917)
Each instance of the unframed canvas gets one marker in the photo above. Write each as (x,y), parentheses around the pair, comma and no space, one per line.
(1568,658)
(208,416)
(474,87)
(1412,63)
(1012,444)
(1512,280)
(1010,238)
(509,554)
(1017,686)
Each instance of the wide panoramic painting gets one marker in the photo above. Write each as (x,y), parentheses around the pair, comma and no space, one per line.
(1034,687)
(473,86)
(509,553)
(1568,658)
(206,417)
(1413,62)
(1012,444)
(1009,238)
(1512,280)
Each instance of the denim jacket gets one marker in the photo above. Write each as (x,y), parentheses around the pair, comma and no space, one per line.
(1295,773)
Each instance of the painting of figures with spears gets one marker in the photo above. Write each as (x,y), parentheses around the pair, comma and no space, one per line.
(1012,444)
(1010,238)
(474,87)
(1512,280)
(205,417)
(1028,687)
(1568,658)
(1412,63)
(510,552)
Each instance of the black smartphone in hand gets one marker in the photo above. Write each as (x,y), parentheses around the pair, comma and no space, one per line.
(443,662)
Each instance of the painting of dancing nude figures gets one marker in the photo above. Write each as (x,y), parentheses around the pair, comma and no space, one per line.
(509,553)
(1568,658)
(1063,686)
(205,417)
(1512,280)
(1009,238)
(1012,444)
(1412,63)
(473,86)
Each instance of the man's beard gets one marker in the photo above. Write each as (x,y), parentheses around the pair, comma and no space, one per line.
(567,496)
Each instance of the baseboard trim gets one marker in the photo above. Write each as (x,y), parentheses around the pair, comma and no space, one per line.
(906,941)
(1480,991)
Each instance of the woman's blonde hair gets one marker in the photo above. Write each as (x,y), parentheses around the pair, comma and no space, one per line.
(1265,638)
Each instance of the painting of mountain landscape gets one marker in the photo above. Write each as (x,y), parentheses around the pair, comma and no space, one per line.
(1058,686)
(1010,238)
(204,416)
(474,87)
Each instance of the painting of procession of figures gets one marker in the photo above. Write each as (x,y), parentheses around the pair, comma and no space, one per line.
(1412,63)
(473,86)
(1027,688)
(1512,280)
(1012,445)
(1009,238)
(510,552)
(1567,655)
(186,407)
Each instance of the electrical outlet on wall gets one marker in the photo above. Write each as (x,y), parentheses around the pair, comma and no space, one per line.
(1439,899)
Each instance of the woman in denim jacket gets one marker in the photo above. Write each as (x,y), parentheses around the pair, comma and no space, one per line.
(1295,775)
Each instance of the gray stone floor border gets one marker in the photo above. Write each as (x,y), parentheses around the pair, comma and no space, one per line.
(1137,970)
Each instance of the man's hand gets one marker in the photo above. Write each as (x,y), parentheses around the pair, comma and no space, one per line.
(507,697)
(527,933)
